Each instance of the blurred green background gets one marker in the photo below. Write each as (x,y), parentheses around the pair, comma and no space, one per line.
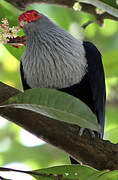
(16,146)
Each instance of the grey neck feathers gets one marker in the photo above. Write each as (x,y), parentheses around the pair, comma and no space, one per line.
(53,58)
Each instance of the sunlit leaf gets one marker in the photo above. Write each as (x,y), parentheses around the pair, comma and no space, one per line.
(111,130)
(110,60)
(16,52)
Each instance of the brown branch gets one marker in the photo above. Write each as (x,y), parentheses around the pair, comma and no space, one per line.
(87,8)
(84,26)
(93,152)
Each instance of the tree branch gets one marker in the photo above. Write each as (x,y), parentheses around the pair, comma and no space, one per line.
(87,8)
(97,153)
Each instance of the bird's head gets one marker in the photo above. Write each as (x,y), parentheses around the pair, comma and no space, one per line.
(28,17)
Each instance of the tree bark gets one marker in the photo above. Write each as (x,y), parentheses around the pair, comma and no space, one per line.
(97,153)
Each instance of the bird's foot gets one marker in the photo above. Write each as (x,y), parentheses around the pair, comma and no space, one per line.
(92,133)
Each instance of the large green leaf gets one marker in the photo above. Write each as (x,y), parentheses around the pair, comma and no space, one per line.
(56,105)
(69,172)
(75,172)
(65,172)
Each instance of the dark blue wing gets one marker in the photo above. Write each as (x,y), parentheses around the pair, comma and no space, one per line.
(96,79)
(24,83)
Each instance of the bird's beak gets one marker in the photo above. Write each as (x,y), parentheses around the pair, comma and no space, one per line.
(23,23)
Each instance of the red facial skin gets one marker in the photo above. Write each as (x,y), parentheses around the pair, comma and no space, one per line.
(28,16)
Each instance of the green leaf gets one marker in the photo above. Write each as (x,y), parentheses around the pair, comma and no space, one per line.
(69,172)
(65,172)
(16,52)
(110,60)
(76,172)
(110,175)
(55,104)
(111,129)
(10,12)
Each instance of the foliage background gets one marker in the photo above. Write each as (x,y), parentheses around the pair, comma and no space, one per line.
(12,149)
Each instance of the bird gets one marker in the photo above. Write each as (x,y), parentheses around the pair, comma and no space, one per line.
(53,58)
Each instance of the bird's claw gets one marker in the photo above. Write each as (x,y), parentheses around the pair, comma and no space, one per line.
(92,133)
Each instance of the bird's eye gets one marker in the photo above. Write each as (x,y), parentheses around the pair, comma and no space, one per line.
(36,14)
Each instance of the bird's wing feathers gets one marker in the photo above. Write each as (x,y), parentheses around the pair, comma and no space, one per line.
(96,79)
